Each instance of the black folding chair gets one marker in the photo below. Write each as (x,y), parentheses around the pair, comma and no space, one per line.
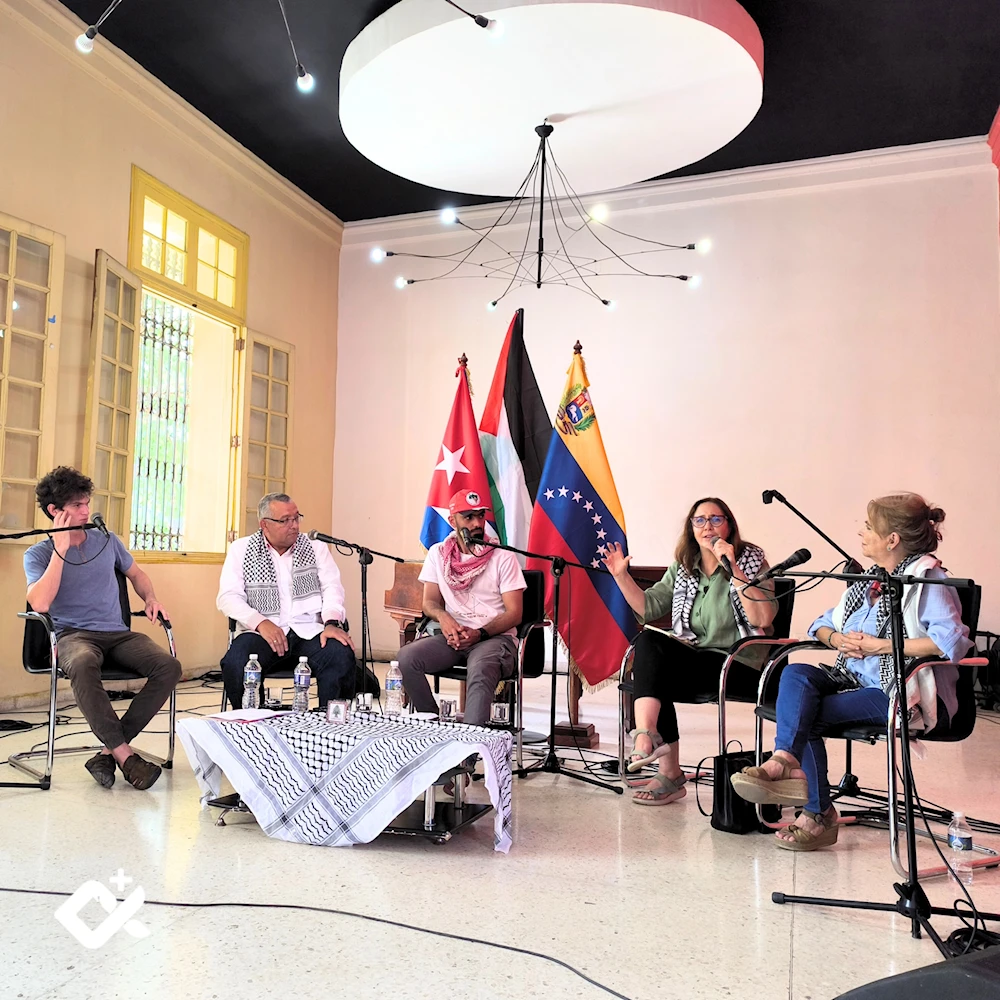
(784,591)
(40,655)
(948,730)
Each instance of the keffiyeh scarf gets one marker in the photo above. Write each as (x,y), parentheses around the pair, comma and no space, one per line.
(261,581)
(459,573)
(686,589)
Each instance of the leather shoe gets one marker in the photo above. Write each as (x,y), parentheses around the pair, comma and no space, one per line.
(102,769)
(139,773)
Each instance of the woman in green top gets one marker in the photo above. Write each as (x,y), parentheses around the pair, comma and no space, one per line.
(711,607)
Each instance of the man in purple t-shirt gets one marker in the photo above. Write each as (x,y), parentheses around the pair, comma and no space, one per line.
(476,594)
(72,577)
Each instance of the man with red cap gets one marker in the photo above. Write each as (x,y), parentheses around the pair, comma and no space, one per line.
(475,593)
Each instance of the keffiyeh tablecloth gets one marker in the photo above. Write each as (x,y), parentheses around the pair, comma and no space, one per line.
(313,782)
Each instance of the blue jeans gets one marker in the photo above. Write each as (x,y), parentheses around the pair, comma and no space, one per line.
(808,703)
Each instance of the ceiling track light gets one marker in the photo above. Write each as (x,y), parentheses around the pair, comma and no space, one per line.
(556,210)
(303,79)
(85,42)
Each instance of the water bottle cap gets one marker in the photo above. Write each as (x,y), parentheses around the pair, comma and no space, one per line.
(394,663)
(303,659)
(253,656)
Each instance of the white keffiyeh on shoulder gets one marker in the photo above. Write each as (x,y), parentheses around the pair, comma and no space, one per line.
(686,589)
(260,580)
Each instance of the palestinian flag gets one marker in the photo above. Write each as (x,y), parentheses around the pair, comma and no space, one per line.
(514,435)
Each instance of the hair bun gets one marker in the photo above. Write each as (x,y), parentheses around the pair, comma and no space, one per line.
(935,515)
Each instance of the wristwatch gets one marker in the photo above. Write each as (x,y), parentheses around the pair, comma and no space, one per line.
(341,625)
(484,635)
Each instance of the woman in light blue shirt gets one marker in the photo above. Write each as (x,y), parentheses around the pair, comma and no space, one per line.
(900,534)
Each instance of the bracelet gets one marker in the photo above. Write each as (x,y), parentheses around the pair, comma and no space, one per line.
(829,639)
(483,635)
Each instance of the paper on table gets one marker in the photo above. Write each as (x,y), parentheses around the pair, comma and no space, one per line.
(245,714)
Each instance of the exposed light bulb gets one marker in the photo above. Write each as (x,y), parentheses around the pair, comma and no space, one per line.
(704,245)
(610,303)
(15,305)
(694,282)
(449,216)
(599,213)
(305,81)
(401,282)
(377,255)
(85,42)
(491,306)
(495,28)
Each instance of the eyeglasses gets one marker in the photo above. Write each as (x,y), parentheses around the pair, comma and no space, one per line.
(716,520)
(283,521)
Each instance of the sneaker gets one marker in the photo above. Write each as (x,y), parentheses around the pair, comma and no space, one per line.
(140,773)
(102,769)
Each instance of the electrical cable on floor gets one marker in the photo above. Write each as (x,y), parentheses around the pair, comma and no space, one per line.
(358,916)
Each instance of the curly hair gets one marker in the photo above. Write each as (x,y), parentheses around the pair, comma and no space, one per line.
(60,486)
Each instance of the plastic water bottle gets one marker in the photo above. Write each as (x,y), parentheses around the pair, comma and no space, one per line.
(960,842)
(302,679)
(394,690)
(251,682)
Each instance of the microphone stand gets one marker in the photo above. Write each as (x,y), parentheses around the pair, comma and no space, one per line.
(853,566)
(550,762)
(912,902)
(366,557)
(51,531)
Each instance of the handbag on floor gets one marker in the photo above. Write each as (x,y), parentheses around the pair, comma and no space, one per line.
(730,813)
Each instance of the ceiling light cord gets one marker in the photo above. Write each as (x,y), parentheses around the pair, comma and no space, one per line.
(304,80)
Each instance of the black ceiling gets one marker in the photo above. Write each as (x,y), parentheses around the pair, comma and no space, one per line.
(839,76)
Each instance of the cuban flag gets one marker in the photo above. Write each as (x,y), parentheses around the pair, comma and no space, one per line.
(577,515)
(459,466)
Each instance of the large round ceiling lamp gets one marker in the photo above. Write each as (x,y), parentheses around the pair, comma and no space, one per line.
(638,88)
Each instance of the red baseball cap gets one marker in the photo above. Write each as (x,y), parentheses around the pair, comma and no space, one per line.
(465,500)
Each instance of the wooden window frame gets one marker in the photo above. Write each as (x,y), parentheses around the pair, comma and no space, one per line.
(50,364)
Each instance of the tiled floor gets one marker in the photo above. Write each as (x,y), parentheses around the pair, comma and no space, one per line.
(648,902)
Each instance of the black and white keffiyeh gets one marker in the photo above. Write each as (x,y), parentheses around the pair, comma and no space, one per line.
(261,582)
(686,589)
(855,597)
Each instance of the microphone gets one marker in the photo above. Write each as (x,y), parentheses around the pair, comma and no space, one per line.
(724,560)
(318,536)
(797,558)
(466,537)
(100,525)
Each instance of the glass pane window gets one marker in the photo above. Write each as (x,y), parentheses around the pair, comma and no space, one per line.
(32,261)
(5,251)
(28,309)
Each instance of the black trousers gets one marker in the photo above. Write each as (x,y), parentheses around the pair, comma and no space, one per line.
(332,665)
(671,671)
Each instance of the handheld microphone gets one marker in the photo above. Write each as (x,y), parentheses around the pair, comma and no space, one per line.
(797,558)
(100,525)
(724,561)
(318,536)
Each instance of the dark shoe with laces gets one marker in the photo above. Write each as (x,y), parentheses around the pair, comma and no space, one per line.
(139,773)
(102,769)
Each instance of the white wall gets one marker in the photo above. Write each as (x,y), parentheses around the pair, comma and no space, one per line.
(844,344)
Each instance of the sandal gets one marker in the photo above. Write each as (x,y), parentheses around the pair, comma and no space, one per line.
(812,841)
(662,796)
(755,785)
(636,761)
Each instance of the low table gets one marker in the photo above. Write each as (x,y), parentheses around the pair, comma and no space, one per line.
(314,782)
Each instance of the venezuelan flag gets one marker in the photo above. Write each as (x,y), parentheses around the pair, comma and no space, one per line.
(577,515)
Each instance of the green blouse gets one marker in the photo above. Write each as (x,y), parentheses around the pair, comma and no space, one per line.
(712,618)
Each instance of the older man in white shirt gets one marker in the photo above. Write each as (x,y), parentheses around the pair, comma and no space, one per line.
(284,591)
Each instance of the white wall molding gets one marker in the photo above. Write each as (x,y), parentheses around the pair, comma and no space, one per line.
(57,27)
(883,166)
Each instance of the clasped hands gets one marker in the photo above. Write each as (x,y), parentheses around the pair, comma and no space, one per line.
(458,636)
(858,645)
